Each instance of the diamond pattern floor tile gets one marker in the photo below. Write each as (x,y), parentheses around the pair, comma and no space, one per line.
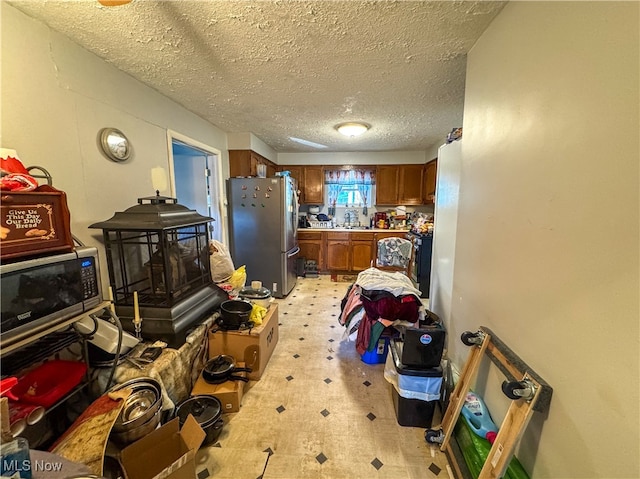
(319,411)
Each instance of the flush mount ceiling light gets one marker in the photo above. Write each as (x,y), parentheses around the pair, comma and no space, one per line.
(113,3)
(352,128)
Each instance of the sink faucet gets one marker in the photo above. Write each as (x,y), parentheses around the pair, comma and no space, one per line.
(350,217)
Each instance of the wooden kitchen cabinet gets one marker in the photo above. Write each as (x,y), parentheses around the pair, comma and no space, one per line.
(296,172)
(429,190)
(387,184)
(342,251)
(338,251)
(245,163)
(310,180)
(362,250)
(399,184)
(311,247)
(313,185)
(271,169)
(410,183)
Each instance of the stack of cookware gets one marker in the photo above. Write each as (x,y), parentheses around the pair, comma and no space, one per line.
(142,410)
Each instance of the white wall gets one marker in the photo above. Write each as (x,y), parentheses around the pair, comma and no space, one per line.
(547,238)
(249,141)
(57,96)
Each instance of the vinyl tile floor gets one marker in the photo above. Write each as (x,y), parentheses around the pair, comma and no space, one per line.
(318,410)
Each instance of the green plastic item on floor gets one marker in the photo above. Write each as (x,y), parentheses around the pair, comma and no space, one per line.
(476,450)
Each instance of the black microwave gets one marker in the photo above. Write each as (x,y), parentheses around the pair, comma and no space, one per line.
(40,293)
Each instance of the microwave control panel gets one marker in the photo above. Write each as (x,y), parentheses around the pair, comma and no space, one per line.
(89,278)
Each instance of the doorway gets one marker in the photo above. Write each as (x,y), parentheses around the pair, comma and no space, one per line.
(197,180)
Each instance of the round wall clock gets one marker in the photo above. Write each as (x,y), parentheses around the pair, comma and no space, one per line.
(114,144)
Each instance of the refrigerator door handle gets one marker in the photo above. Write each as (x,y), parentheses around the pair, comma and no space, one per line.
(295,252)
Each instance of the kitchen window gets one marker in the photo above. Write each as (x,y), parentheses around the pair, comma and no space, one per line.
(349,188)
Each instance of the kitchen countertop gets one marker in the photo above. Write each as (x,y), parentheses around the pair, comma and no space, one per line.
(359,229)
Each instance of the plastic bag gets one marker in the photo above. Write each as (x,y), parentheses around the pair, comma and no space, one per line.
(257,314)
(221,263)
(238,278)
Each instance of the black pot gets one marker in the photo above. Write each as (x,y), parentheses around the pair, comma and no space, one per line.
(221,369)
(234,314)
(207,411)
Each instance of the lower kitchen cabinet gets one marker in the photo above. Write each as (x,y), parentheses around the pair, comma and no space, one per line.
(362,250)
(342,251)
(311,247)
(338,251)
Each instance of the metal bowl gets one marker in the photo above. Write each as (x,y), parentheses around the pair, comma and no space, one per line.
(132,434)
(144,402)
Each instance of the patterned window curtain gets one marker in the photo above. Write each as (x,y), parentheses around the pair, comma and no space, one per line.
(336,179)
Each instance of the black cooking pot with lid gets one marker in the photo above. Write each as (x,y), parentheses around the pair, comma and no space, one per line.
(234,314)
(207,411)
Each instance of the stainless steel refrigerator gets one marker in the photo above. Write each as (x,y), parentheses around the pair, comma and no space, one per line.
(263,223)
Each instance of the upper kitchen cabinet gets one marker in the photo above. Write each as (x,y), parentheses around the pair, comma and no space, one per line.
(313,185)
(310,179)
(245,163)
(399,184)
(297,173)
(410,185)
(387,185)
(429,191)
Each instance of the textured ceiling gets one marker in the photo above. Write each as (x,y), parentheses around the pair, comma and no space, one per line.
(282,69)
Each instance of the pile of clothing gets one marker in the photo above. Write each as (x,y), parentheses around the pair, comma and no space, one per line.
(376,303)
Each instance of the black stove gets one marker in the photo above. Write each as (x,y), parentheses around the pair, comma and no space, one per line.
(421,267)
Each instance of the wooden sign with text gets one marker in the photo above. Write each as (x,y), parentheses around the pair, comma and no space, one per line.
(34,222)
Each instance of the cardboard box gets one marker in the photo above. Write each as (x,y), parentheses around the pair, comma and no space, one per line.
(229,392)
(166,453)
(254,346)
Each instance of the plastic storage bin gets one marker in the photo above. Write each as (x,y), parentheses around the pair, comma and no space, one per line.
(415,383)
(415,392)
(378,355)
(413,412)
(49,382)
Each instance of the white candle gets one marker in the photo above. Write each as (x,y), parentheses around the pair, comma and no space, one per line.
(136,310)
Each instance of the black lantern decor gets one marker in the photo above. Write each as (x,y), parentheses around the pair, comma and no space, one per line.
(159,270)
